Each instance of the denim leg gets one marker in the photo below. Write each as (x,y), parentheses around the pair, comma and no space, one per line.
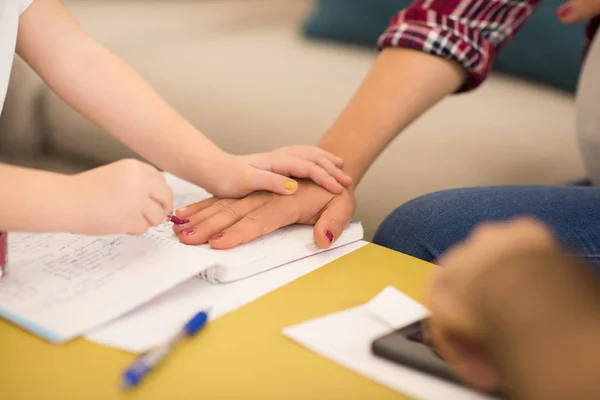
(425,227)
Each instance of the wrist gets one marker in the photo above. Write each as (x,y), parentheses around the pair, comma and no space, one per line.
(69,204)
(212,171)
(55,211)
(345,144)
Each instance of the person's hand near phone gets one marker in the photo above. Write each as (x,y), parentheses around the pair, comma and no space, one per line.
(511,310)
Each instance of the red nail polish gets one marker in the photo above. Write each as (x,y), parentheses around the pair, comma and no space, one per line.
(329,236)
(217,236)
(564,11)
(189,232)
(178,221)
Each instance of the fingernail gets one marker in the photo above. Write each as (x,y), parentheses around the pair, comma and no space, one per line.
(178,221)
(189,232)
(565,10)
(182,209)
(290,185)
(349,177)
(217,236)
(329,236)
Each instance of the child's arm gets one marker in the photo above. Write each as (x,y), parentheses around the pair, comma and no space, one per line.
(104,89)
(32,200)
(125,197)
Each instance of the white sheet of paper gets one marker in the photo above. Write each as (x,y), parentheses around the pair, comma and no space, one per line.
(396,309)
(153,323)
(59,286)
(346,336)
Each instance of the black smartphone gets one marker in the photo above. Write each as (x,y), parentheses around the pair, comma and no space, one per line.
(411,347)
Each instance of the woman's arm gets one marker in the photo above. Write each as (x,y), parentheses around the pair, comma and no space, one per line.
(401,86)
(430,50)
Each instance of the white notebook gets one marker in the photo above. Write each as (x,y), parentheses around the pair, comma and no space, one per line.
(289,244)
(267,252)
(60,286)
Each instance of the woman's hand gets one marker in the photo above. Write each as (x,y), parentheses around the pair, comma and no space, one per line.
(578,10)
(238,176)
(226,223)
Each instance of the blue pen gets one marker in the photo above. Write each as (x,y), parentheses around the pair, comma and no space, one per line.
(136,372)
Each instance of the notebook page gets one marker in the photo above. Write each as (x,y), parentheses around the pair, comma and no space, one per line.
(75,283)
(154,322)
(62,285)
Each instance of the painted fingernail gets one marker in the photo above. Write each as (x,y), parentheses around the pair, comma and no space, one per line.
(178,221)
(290,185)
(349,177)
(217,236)
(189,232)
(329,236)
(564,11)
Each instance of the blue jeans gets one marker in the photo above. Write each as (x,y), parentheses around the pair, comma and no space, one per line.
(427,226)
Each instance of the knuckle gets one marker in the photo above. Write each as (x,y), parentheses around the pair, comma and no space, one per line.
(228,209)
(532,228)
(486,229)
(255,220)
(336,224)
(253,216)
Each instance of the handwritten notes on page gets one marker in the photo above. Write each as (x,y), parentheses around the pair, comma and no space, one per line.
(69,284)
(60,286)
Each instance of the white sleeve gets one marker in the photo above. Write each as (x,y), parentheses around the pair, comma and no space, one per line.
(24,5)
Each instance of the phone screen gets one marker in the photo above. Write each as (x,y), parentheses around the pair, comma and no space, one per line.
(412,346)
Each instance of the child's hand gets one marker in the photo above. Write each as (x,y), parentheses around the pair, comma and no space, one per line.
(271,171)
(125,197)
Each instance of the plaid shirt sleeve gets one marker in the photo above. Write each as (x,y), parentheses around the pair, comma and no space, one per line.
(469,32)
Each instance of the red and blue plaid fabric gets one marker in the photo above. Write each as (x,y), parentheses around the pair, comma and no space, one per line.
(469,32)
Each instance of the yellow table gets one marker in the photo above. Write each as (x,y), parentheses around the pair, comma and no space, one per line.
(242,355)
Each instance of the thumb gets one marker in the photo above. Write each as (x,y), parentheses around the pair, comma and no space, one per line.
(332,221)
(259,179)
(578,10)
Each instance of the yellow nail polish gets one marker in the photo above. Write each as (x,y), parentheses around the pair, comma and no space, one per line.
(290,185)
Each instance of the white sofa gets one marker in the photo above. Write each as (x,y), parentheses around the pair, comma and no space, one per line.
(241,72)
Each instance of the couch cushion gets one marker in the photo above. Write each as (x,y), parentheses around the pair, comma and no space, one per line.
(545,50)
(252,87)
